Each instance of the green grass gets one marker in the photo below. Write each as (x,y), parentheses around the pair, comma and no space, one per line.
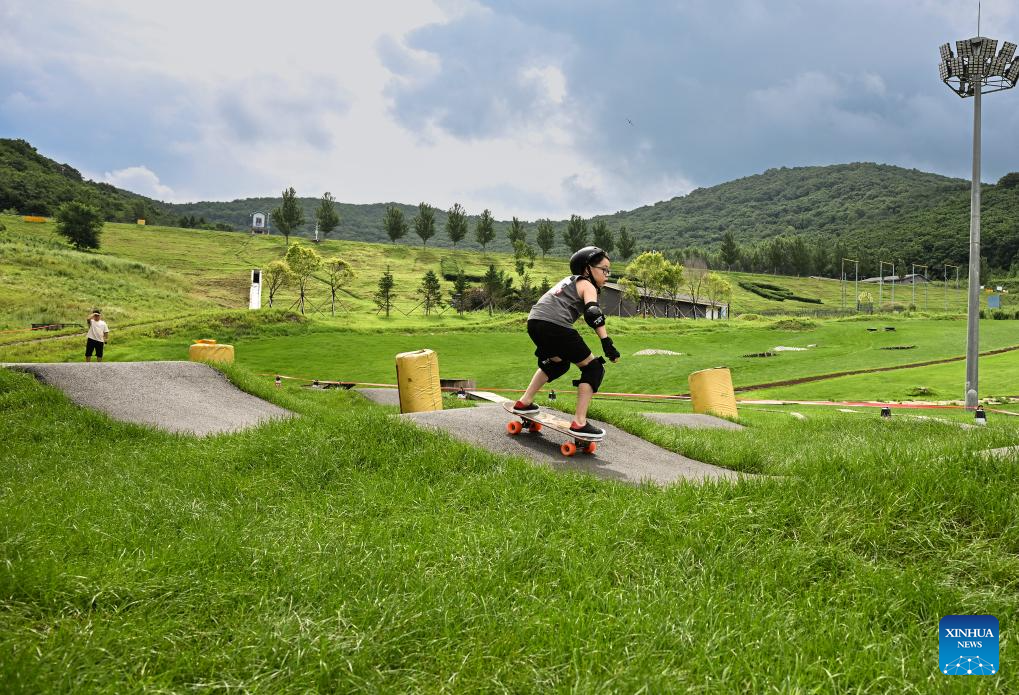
(498,354)
(303,556)
(347,550)
(146,273)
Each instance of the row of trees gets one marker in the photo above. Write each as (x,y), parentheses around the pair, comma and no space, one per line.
(301,265)
(803,255)
(495,292)
(575,235)
(289,215)
(652,274)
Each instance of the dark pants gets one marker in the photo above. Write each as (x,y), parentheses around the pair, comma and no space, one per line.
(94,345)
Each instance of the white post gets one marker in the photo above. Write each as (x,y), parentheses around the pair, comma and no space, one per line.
(255,293)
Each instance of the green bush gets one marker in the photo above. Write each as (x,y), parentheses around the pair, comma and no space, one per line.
(774,292)
(80,223)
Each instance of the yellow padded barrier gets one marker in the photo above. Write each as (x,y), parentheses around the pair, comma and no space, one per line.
(210,351)
(711,392)
(417,378)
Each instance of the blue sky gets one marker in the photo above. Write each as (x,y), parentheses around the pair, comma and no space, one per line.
(527,108)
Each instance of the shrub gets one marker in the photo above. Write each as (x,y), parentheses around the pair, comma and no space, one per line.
(794,325)
(80,223)
(774,292)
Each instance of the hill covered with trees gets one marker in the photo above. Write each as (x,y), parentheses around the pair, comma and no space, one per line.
(797,221)
(31,184)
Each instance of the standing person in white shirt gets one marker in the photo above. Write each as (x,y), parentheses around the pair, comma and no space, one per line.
(98,334)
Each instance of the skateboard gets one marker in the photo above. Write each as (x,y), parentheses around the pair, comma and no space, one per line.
(536,421)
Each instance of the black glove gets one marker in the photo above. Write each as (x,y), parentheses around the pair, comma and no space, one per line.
(609,349)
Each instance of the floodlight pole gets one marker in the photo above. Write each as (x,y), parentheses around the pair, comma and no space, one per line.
(947,266)
(856,285)
(973,304)
(975,68)
(881,282)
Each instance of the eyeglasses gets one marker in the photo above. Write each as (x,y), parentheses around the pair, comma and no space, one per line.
(608,273)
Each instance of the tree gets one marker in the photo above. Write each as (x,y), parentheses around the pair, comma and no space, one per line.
(459,293)
(575,235)
(456,224)
(1010,180)
(326,215)
(865,299)
(80,223)
(484,231)
(277,276)
(627,244)
(603,238)
(394,224)
(303,262)
(497,286)
(672,281)
(696,273)
(523,253)
(384,296)
(730,250)
(717,289)
(288,216)
(424,223)
(644,276)
(517,232)
(337,274)
(546,236)
(430,291)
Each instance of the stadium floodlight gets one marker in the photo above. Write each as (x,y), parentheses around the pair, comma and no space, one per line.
(977,69)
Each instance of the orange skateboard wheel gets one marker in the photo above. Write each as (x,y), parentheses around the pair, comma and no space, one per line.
(514,427)
(536,427)
(568,449)
(590,448)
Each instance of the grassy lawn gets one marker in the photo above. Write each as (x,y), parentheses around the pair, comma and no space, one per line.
(347,550)
(319,555)
(497,353)
(146,273)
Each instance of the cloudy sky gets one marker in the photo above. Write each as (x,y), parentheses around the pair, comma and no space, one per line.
(527,107)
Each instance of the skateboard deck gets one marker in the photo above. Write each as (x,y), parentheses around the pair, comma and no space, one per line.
(535,422)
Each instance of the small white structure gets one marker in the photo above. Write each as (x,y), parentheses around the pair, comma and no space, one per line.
(255,293)
(259,223)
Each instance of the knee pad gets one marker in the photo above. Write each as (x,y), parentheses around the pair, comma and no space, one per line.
(553,370)
(592,373)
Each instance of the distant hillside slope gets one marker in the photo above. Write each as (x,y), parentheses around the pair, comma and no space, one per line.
(844,200)
(837,199)
(357,222)
(873,210)
(32,184)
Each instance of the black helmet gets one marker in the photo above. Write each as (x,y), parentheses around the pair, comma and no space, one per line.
(589,255)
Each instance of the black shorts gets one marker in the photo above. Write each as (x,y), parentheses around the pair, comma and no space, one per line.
(553,340)
(96,345)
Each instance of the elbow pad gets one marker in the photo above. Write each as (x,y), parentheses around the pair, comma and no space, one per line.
(593,315)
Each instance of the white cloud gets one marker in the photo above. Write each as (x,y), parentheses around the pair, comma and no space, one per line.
(517,107)
(140,179)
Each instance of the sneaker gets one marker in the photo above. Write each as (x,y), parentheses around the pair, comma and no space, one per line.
(588,430)
(521,409)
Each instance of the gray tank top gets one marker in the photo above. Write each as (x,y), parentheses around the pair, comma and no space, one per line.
(561,305)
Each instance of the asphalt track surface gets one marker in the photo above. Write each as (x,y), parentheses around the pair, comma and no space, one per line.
(183,397)
(621,457)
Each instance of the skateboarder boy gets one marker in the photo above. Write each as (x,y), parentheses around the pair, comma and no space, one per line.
(557,342)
